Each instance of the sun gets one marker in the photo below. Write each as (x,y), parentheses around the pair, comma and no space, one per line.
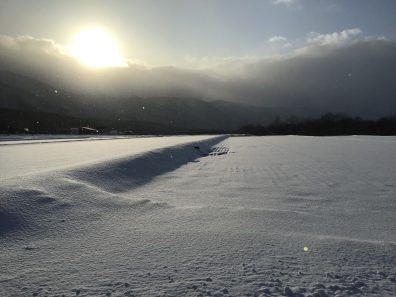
(96,48)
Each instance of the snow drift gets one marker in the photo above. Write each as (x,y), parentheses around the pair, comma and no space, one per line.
(32,203)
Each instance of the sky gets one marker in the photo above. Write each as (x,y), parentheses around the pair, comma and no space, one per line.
(338,55)
(175,32)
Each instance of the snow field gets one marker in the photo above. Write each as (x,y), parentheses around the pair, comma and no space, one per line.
(242,216)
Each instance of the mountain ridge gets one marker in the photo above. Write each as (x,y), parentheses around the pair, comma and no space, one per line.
(182,114)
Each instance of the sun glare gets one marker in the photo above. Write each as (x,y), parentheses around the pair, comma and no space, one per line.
(97,49)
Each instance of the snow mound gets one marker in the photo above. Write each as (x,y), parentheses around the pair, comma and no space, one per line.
(32,204)
(125,173)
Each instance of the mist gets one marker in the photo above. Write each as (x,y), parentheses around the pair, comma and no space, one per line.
(330,73)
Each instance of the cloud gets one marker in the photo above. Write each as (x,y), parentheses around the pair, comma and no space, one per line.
(31,44)
(35,56)
(24,46)
(336,38)
(356,77)
(288,3)
(277,38)
(279,42)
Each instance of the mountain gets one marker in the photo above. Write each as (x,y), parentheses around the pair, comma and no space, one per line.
(23,97)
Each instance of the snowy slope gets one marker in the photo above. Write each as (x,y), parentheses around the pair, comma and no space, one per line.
(258,216)
(22,157)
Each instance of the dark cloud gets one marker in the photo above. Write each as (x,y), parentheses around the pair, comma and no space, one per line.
(357,79)
(334,72)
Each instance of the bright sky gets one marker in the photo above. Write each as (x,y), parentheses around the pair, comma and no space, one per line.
(174,32)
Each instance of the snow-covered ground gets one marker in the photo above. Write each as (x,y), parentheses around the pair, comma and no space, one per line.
(199,216)
(44,138)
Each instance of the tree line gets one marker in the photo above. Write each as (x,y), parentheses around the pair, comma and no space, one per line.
(329,124)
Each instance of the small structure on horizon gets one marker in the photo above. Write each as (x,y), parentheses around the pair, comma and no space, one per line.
(83,131)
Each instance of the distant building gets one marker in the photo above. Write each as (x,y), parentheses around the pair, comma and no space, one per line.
(83,130)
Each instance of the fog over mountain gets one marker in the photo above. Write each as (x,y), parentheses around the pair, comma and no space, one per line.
(338,72)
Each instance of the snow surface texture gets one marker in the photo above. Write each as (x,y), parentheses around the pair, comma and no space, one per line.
(199,216)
